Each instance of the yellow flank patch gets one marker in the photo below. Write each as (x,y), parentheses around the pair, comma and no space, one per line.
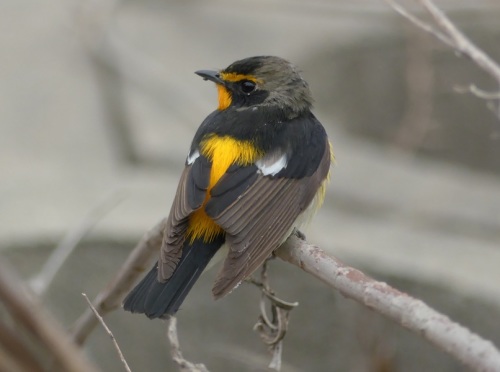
(225,98)
(202,226)
(320,195)
(222,152)
(322,188)
(322,192)
(332,154)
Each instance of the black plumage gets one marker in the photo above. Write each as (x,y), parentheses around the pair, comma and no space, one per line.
(249,205)
(158,299)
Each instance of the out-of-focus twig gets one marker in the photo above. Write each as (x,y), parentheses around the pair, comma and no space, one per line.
(478,92)
(461,42)
(110,334)
(415,20)
(41,282)
(175,350)
(419,73)
(30,315)
(118,65)
(448,33)
(110,297)
(15,355)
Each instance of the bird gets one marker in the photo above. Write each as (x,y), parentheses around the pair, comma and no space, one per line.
(257,169)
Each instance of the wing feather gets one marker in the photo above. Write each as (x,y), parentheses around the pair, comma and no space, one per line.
(259,220)
(189,197)
(247,254)
(257,210)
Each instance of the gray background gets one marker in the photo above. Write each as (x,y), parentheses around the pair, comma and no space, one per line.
(99,101)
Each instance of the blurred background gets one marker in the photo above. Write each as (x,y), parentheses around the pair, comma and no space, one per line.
(99,104)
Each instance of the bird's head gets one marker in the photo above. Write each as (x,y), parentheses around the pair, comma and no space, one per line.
(261,82)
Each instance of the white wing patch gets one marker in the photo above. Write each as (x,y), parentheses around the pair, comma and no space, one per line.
(192,157)
(272,164)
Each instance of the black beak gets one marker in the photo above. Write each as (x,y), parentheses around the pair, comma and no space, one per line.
(210,75)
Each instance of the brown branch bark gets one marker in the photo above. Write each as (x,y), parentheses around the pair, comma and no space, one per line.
(30,315)
(15,355)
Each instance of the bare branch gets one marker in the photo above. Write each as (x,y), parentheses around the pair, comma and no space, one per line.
(31,316)
(458,341)
(175,350)
(462,42)
(478,92)
(108,331)
(449,34)
(110,298)
(410,313)
(424,26)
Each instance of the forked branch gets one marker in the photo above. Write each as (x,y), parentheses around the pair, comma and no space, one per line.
(446,31)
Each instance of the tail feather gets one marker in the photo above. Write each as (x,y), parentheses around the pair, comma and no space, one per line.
(157,299)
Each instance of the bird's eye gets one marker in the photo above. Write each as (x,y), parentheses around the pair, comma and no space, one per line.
(248,86)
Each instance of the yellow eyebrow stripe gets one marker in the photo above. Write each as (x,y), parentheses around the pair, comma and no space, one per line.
(225,98)
(234,77)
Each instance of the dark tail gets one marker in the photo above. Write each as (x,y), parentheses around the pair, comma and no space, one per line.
(156,299)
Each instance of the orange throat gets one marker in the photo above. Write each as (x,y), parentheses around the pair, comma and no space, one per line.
(222,152)
(225,98)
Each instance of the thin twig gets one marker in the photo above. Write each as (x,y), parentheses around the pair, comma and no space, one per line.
(277,356)
(101,320)
(449,34)
(462,42)
(415,20)
(41,282)
(473,89)
(272,331)
(175,350)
